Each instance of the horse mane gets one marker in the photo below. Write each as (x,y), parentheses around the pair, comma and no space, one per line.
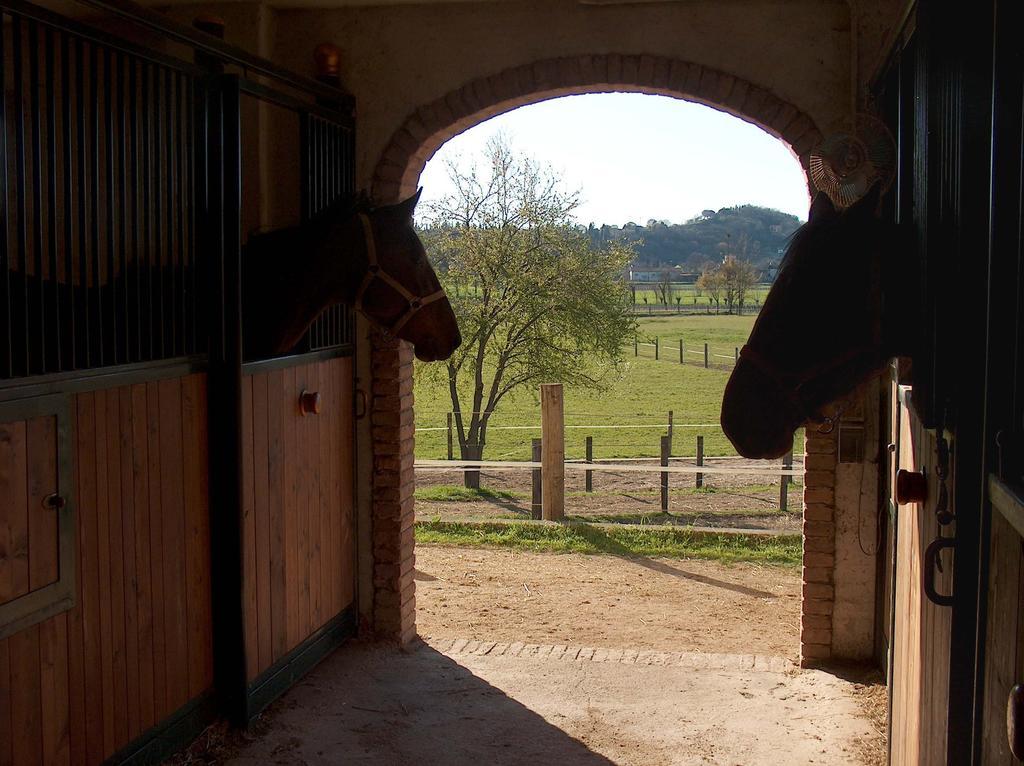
(342,206)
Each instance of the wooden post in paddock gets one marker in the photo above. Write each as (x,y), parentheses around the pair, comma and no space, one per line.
(656,355)
(552,413)
(736,355)
(666,449)
(451,452)
(700,460)
(590,459)
(636,346)
(707,356)
(535,507)
(787,463)
(682,351)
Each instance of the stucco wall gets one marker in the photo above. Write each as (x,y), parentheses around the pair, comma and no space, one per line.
(397,58)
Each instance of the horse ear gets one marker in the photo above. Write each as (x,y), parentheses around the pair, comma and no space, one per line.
(866,206)
(821,208)
(407,207)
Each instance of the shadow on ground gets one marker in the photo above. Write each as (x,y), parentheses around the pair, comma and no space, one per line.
(376,705)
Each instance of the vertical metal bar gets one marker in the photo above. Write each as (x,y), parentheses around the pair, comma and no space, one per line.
(37,193)
(197,120)
(179,206)
(170,267)
(68,201)
(51,197)
(94,206)
(160,250)
(5,256)
(221,235)
(145,214)
(123,216)
(195,156)
(137,235)
(94,257)
(19,143)
(83,249)
(111,293)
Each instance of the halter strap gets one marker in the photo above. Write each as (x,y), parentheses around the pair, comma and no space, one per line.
(374,271)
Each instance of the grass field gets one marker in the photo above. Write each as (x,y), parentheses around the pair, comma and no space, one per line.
(639,398)
(628,541)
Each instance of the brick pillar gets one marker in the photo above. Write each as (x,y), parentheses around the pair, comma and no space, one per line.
(391,408)
(819,547)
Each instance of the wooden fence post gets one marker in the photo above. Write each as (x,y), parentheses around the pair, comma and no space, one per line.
(535,507)
(681,352)
(666,449)
(552,415)
(706,356)
(590,459)
(700,460)
(655,348)
(736,355)
(787,464)
(451,453)
(636,346)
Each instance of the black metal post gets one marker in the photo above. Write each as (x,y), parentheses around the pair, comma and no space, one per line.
(590,459)
(700,461)
(666,449)
(537,500)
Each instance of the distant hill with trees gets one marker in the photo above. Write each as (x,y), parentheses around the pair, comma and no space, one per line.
(757,235)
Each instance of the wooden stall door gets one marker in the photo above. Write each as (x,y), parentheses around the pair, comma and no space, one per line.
(921,634)
(298,508)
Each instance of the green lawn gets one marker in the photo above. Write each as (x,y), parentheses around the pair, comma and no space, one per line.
(640,398)
(627,541)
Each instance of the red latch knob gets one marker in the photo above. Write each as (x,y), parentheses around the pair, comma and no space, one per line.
(309,403)
(911,487)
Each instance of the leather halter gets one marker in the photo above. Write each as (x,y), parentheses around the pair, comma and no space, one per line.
(374,271)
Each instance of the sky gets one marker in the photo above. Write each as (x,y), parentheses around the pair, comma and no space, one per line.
(636,157)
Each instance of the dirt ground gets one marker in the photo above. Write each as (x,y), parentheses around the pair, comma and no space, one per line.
(604,601)
(452,707)
(738,501)
(576,661)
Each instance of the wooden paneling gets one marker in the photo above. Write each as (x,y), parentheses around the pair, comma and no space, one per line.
(298,507)
(1004,652)
(921,637)
(79,686)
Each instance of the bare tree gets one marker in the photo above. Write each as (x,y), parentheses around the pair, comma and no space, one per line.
(550,305)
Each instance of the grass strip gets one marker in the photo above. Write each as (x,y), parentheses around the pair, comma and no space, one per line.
(628,542)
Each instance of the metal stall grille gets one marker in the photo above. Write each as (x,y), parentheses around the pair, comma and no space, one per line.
(98,257)
(328,158)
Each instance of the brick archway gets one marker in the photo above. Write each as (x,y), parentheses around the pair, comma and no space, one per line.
(396,176)
(431,125)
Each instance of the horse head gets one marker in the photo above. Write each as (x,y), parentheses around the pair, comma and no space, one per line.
(833,318)
(399,290)
(368,258)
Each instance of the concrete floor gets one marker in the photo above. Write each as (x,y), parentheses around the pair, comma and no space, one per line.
(457,702)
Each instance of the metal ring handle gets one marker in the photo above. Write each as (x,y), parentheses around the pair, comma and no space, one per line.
(931,557)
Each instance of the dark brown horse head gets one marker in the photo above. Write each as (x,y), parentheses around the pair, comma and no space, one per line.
(348,253)
(832,319)
(399,290)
